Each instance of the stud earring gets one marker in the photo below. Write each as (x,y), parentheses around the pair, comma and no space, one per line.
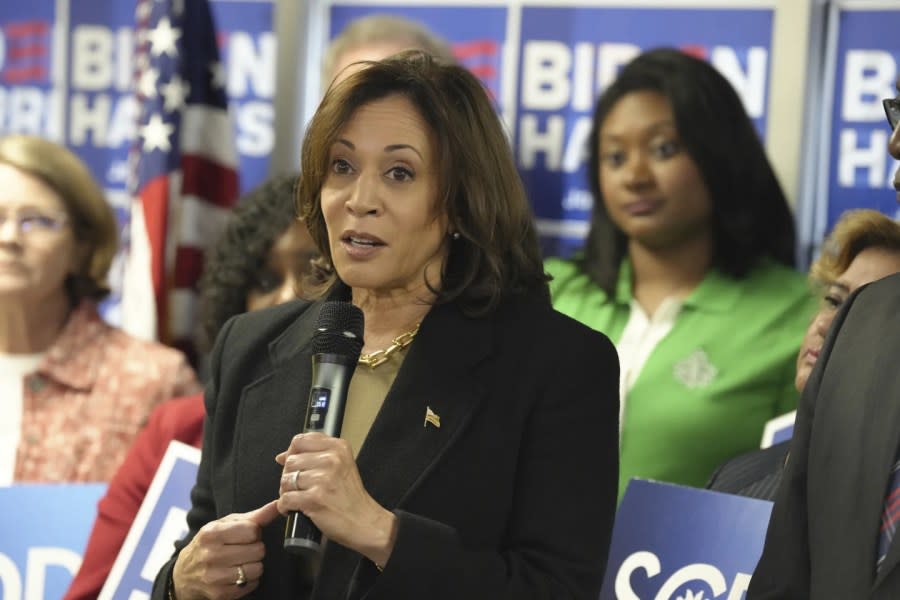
(455,235)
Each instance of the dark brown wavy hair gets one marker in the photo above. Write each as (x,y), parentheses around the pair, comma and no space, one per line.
(497,253)
(235,265)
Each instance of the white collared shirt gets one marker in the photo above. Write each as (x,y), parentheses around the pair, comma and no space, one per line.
(641,335)
(13,370)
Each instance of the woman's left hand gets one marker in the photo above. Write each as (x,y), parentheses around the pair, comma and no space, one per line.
(321,480)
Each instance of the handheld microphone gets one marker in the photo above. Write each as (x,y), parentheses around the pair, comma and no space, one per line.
(336,346)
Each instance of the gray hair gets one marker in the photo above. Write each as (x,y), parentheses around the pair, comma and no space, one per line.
(381,28)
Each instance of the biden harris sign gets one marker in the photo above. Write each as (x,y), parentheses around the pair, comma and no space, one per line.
(547,62)
(865,62)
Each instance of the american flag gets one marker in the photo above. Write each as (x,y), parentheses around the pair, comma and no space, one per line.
(183,167)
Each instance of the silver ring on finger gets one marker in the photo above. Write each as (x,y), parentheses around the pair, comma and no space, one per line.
(294,477)
(241,580)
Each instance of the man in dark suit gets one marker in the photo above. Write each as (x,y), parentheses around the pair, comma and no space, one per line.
(826,538)
(755,474)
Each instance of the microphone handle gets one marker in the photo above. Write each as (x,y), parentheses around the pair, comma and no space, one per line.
(301,536)
(331,375)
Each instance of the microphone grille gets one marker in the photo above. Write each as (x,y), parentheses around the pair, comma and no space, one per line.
(339,330)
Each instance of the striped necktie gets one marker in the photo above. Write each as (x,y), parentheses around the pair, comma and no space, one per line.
(889,516)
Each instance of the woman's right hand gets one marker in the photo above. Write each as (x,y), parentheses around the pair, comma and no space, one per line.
(208,566)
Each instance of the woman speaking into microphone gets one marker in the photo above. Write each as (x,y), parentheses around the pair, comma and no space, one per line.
(478,452)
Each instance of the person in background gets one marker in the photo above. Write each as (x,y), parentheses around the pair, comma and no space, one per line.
(258,262)
(261,258)
(863,247)
(688,268)
(378,36)
(478,457)
(74,391)
(833,527)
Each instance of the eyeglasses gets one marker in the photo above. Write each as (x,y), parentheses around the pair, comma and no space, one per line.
(35,223)
(892,110)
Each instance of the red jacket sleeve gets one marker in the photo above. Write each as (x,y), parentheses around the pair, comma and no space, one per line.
(178,419)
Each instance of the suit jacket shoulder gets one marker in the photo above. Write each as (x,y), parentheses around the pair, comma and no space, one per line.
(257,329)
(548,331)
(881,297)
(755,474)
(822,537)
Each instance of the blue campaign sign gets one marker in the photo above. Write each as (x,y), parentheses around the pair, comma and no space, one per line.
(27,46)
(100,110)
(476,33)
(248,50)
(159,523)
(860,171)
(92,110)
(672,542)
(43,531)
(569,54)
(564,57)
(74,83)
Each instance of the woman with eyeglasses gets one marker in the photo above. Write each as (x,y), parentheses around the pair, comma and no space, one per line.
(73,390)
(258,262)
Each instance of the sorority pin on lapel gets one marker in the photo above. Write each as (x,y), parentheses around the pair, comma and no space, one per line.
(431,417)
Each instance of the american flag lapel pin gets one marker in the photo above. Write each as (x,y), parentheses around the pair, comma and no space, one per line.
(431,417)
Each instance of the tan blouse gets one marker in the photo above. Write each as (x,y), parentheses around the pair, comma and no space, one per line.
(368,389)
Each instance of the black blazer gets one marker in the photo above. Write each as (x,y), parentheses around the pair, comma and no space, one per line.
(754,474)
(824,527)
(512,497)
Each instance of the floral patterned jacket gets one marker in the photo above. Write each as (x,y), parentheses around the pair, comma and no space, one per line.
(89,398)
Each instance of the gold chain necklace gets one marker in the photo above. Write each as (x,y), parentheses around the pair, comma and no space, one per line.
(373,359)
